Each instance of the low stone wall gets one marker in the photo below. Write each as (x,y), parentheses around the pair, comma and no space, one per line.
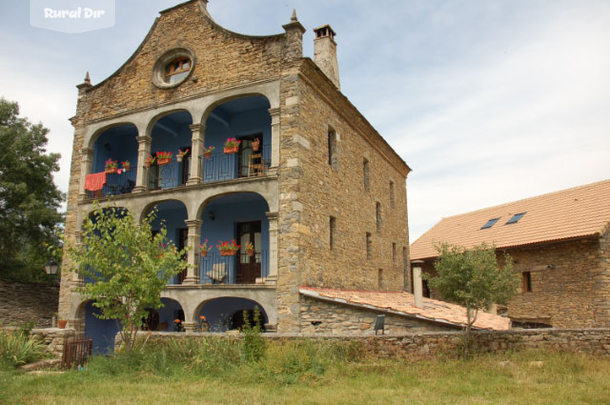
(21,303)
(429,344)
(55,339)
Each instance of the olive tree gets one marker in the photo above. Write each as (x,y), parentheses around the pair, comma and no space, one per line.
(474,279)
(125,266)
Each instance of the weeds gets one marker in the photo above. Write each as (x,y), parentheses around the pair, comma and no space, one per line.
(19,348)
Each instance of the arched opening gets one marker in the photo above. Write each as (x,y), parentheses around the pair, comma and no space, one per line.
(168,318)
(228,313)
(101,331)
(115,157)
(171,138)
(173,214)
(240,220)
(247,120)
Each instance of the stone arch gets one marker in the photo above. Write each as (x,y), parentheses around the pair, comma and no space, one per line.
(221,312)
(97,132)
(148,207)
(225,98)
(102,331)
(164,113)
(208,200)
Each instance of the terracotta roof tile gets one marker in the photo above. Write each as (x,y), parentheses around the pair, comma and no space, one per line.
(403,303)
(568,214)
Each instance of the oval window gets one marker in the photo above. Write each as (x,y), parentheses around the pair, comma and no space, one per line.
(177,70)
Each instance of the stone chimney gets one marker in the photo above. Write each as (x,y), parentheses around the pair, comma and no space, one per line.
(417,283)
(325,53)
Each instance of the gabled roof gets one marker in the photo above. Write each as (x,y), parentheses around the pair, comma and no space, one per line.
(403,304)
(575,213)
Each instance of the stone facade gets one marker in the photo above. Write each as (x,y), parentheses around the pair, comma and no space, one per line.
(569,284)
(55,339)
(22,302)
(303,191)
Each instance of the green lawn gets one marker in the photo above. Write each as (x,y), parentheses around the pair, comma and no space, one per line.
(561,378)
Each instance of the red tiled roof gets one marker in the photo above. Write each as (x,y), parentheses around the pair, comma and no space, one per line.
(574,213)
(402,304)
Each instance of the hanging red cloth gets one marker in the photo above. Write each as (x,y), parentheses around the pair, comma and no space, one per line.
(95,181)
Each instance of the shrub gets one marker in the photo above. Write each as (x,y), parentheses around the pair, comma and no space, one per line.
(17,349)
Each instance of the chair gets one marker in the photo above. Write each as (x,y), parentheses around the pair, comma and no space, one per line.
(380,324)
(257,165)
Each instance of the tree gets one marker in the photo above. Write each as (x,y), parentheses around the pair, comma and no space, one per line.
(125,267)
(29,200)
(474,279)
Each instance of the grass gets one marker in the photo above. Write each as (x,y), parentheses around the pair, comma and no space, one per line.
(313,373)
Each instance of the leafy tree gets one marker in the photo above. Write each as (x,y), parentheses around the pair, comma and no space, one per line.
(29,200)
(125,267)
(474,279)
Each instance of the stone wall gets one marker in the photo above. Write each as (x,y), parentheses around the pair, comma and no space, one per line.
(319,317)
(55,339)
(21,302)
(339,190)
(573,294)
(426,345)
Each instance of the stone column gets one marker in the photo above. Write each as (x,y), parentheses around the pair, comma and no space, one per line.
(190,326)
(417,283)
(194,237)
(85,169)
(197,141)
(275,136)
(142,172)
(273,246)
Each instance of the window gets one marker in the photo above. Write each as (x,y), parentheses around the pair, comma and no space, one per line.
(365,173)
(380,279)
(392,195)
(332,226)
(515,218)
(369,246)
(378,215)
(490,223)
(394,253)
(332,148)
(527,281)
(177,69)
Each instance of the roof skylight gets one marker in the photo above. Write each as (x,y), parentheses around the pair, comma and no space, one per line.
(490,223)
(515,218)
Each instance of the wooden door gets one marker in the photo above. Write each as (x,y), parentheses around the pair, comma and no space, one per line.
(245,153)
(248,267)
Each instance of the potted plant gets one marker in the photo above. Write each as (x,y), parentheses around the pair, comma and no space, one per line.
(228,249)
(231,146)
(178,327)
(150,160)
(256,144)
(181,154)
(204,326)
(204,248)
(126,165)
(208,152)
(111,166)
(61,323)
(163,158)
(250,249)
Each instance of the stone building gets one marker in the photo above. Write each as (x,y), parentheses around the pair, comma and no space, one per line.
(560,246)
(312,185)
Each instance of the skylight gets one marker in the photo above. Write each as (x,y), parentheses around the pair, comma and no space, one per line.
(515,218)
(490,223)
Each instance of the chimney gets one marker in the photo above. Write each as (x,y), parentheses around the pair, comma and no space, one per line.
(417,283)
(325,53)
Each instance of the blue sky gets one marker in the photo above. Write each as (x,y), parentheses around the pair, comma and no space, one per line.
(487,101)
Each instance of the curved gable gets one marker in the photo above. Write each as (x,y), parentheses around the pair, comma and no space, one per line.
(222,59)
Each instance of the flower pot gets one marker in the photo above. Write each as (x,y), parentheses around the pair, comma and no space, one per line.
(231,149)
(207,155)
(126,168)
(61,323)
(256,146)
(110,170)
(179,158)
(204,253)
(162,162)
(250,252)
(228,252)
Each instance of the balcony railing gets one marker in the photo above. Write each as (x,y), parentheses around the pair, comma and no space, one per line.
(167,176)
(221,167)
(238,269)
(116,184)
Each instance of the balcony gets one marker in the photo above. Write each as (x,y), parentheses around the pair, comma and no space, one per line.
(239,269)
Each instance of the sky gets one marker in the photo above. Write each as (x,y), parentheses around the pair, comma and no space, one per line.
(487,101)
